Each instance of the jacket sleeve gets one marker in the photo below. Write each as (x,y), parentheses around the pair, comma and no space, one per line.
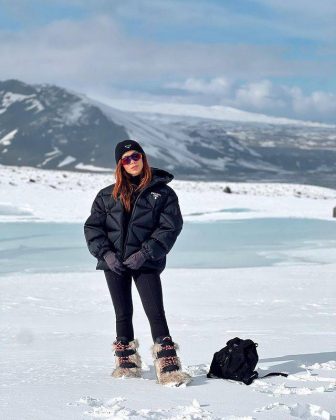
(94,230)
(170,225)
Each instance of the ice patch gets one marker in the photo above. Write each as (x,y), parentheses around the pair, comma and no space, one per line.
(10,210)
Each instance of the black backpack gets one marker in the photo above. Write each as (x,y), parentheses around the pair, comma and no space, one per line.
(237,361)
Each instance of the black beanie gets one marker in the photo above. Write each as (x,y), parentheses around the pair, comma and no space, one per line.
(125,146)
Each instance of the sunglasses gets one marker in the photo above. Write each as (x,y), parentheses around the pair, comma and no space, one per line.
(128,159)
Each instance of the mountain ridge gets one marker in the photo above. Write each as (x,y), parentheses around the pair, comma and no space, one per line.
(50,127)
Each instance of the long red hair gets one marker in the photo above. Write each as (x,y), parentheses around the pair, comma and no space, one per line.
(123,186)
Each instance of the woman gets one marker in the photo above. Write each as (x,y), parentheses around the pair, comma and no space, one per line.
(133,225)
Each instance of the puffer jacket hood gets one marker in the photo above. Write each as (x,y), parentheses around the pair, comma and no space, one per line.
(154,225)
(160,175)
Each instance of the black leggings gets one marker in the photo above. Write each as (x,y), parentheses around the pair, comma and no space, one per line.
(150,291)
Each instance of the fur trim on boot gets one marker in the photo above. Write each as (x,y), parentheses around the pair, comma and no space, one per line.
(167,364)
(127,359)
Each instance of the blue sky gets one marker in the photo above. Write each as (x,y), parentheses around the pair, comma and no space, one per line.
(270,56)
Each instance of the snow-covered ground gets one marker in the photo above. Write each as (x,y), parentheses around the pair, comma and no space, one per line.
(64,196)
(57,328)
(57,331)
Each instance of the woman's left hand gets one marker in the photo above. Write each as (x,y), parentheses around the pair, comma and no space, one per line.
(135,260)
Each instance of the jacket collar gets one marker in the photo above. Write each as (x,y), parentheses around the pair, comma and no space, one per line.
(160,175)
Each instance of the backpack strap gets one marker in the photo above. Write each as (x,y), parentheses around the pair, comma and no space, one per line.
(274,374)
(249,379)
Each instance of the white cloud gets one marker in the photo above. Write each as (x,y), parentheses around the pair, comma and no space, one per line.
(97,52)
(260,95)
(305,18)
(263,96)
(286,101)
(321,103)
(215,86)
(96,55)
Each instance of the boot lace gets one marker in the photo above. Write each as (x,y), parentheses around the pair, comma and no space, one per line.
(168,360)
(121,346)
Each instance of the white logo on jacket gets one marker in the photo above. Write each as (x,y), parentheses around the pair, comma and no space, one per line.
(155,195)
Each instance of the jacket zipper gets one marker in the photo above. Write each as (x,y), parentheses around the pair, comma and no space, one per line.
(125,241)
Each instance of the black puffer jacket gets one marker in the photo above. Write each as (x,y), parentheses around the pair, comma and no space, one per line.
(155,223)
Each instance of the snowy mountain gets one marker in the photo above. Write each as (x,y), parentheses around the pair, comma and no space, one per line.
(49,127)
(297,151)
(212,112)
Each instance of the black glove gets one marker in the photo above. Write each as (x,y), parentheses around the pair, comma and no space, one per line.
(136,260)
(113,263)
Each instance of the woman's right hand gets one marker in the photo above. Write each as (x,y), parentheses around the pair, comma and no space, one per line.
(113,263)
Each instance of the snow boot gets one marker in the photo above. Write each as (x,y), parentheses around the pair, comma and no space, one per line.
(167,364)
(127,359)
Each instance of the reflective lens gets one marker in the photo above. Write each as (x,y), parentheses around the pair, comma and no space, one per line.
(128,159)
